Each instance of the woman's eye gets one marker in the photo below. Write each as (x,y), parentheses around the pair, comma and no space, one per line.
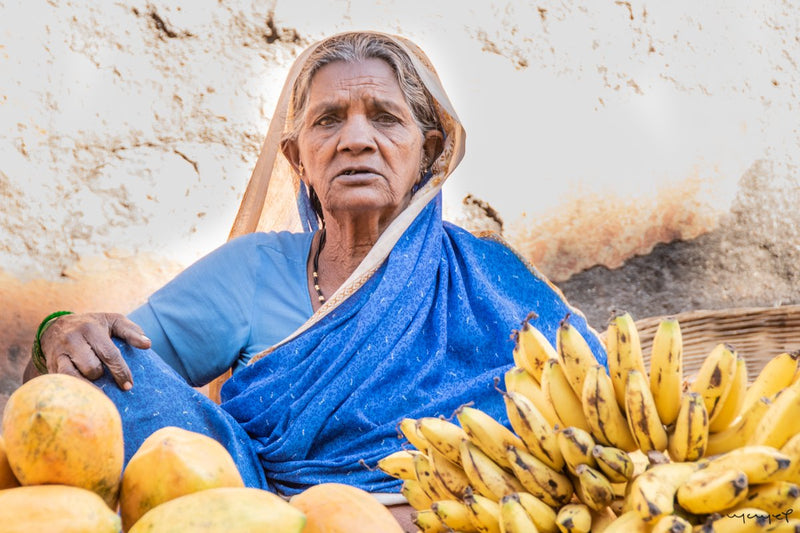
(387,118)
(324,121)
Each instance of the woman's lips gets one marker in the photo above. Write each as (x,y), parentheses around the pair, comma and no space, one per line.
(357,176)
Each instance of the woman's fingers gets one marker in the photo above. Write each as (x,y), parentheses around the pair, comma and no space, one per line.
(119,326)
(87,363)
(63,365)
(105,350)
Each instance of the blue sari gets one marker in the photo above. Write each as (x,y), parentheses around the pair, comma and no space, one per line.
(428,331)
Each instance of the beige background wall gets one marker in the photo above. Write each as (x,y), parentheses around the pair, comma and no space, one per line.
(595,129)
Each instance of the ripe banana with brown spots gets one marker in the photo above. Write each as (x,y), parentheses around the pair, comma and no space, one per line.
(532,349)
(734,400)
(552,487)
(520,381)
(689,438)
(574,518)
(712,491)
(562,397)
(642,415)
(777,374)
(574,354)
(624,350)
(666,369)
(607,422)
(715,377)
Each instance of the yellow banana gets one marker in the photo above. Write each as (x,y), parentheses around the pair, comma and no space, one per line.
(792,447)
(606,420)
(783,524)
(532,349)
(513,516)
(593,488)
(781,421)
(666,369)
(775,497)
(602,519)
(553,488)
(576,447)
(451,475)
(484,513)
(520,381)
(399,464)
(715,377)
(429,481)
(486,477)
(628,522)
(709,491)
(543,516)
(651,494)
(488,434)
(760,464)
(624,351)
(454,514)
(417,497)
(745,520)
(792,450)
(443,435)
(672,524)
(428,522)
(616,464)
(777,374)
(574,354)
(408,427)
(534,430)
(559,393)
(640,410)
(689,438)
(574,518)
(741,431)
(734,400)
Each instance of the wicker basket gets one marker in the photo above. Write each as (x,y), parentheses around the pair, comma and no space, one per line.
(759,334)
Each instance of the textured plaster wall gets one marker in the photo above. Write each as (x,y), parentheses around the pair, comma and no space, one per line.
(596,130)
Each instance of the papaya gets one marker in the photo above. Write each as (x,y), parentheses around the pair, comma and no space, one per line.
(7,477)
(63,430)
(173,462)
(338,508)
(49,508)
(223,510)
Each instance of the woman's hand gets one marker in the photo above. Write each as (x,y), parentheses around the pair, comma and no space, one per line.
(80,345)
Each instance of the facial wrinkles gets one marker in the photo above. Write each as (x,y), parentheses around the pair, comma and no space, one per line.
(365,95)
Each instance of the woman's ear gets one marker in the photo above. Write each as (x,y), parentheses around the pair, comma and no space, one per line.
(292,153)
(432,145)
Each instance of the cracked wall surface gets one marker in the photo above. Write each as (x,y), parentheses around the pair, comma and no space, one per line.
(596,132)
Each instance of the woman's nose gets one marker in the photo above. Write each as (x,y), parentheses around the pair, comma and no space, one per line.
(356,135)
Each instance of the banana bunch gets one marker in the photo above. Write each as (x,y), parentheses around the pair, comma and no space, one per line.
(630,448)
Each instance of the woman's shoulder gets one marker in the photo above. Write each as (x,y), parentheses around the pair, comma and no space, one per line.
(290,245)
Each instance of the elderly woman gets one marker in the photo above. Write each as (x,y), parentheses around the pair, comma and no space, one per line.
(378,311)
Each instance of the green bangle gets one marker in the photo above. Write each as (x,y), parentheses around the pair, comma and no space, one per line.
(37,355)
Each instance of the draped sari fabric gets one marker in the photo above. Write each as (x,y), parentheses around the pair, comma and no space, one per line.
(421,327)
(428,332)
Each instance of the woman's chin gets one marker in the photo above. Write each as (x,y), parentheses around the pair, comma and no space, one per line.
(364,205)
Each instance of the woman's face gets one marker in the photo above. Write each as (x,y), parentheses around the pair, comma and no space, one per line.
(359,144)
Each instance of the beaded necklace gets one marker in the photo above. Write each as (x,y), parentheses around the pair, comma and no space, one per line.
(315,266)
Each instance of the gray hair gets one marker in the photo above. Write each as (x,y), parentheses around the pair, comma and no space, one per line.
(353,47)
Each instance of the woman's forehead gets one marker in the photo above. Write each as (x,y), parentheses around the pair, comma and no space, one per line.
(341,80)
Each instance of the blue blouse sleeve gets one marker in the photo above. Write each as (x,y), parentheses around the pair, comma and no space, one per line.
(200,321)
